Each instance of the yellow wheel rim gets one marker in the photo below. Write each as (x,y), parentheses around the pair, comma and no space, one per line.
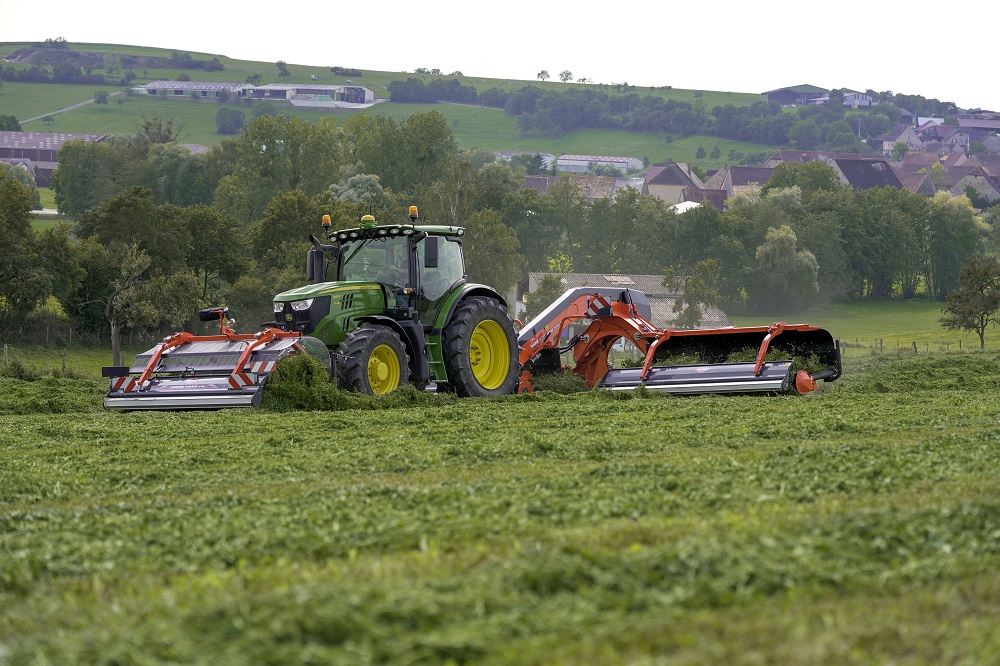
(489,355)
(383,370)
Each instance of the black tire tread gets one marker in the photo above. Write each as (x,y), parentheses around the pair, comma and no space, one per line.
(457,336)
(352,357)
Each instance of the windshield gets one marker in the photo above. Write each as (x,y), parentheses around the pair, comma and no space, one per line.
(381,259)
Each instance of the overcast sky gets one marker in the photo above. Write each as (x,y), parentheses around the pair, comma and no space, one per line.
(723,45)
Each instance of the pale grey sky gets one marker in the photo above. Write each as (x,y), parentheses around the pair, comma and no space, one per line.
(727,45)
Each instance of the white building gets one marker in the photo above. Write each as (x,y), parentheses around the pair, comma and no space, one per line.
(583,163)
(296,94)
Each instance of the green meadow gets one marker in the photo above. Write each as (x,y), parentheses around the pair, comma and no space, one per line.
(473,127)
(856,525)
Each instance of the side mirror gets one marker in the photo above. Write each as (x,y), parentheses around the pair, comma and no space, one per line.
(431,252)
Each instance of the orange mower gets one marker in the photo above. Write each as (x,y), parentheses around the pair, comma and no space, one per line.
(782,357)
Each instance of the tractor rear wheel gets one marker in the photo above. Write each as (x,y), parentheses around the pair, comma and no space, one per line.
(372,360)
(479,349)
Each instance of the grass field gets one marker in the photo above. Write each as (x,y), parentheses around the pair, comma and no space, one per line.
(474,127)
(858,525)
(897,325)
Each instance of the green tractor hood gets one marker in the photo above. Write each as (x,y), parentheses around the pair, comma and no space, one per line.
(323,310)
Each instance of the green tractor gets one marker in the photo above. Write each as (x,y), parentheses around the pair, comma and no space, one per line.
(399,310)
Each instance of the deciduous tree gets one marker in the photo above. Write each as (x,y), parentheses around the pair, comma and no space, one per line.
(975,303)
(133,218)
(218,245)
(492,251)
(809,176)
(786,276)
(694,290)
(87,174)
(229,121)
(24,278)
(549,288)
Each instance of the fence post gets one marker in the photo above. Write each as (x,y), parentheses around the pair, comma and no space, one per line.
(5,366)
(914,346)
(64,363)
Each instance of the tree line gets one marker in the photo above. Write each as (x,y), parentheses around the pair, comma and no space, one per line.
(557,112)
(800,239)
(160,231)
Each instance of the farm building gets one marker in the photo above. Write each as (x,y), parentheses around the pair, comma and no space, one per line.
(804,94)
(37,151)
(188,89)
(583,163)
(297,94)
(548,159)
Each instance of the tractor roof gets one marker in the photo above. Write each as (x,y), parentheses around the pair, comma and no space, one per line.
(387,230)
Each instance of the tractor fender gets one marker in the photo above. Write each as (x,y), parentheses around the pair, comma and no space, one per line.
(467,290)
(412,334)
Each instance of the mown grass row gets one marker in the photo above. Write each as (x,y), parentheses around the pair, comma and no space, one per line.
(592,527)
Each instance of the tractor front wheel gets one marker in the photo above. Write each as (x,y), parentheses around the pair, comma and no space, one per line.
(480,348)
(372,360)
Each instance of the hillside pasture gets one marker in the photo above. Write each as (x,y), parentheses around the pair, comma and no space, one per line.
(236,71)
(29,100)
(474,127)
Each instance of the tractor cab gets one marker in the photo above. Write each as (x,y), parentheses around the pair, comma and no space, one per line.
(407,279)
(417,266)
(404,272)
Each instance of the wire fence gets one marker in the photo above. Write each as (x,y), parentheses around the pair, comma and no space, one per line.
(902,345)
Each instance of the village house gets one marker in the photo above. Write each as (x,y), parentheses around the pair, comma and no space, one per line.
(736,179)
(865,173)
(900,133)
(672,183)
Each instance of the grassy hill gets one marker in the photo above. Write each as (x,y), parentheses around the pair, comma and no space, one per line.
(474,127)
